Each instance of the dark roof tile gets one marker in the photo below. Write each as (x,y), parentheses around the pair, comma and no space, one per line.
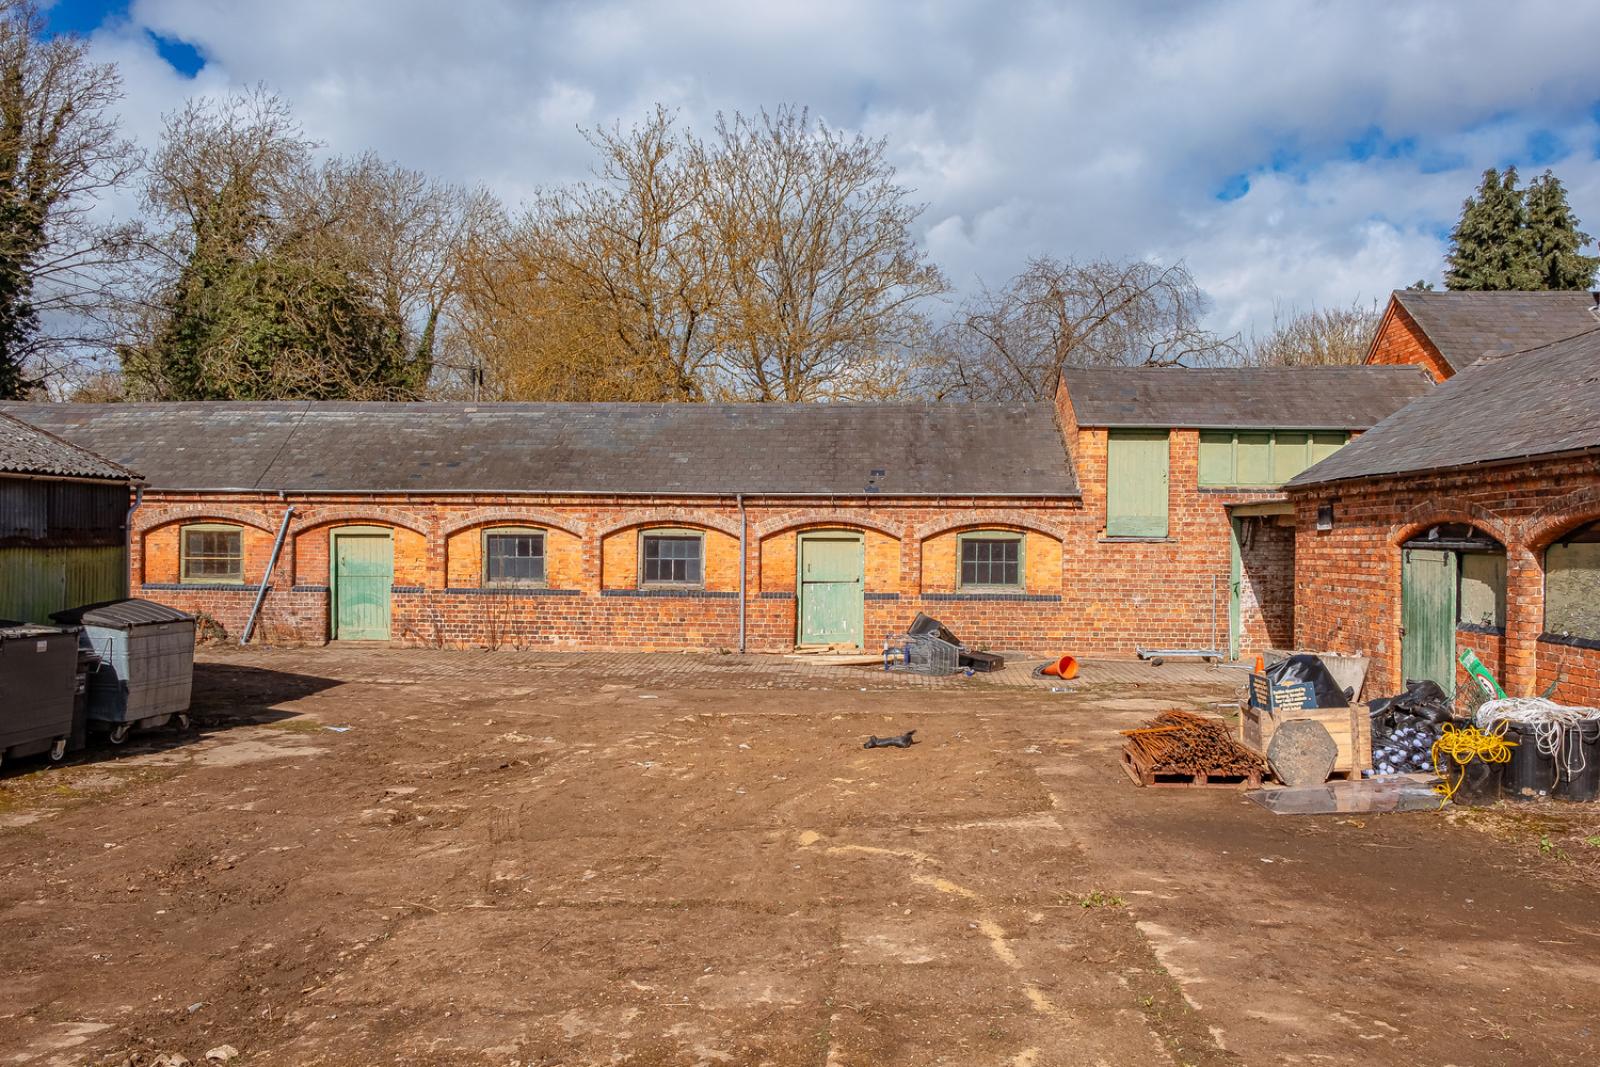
(1309,398)
(1465,327)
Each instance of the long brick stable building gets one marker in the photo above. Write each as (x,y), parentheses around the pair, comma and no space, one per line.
(1143,508)
(1470,518)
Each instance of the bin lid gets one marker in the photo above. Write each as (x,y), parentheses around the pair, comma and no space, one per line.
(16,631)
(121,614)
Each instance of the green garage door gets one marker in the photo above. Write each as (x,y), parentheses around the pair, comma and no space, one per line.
(831,584)
(1428,616)
(363,574)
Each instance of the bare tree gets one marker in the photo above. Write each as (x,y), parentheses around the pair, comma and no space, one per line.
(1010,343)
(1318,337)
(772,261)
(823,279)
(59,150)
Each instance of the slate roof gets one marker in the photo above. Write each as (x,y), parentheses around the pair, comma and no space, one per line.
(1465,327)
(686,449)
(1540,402)
(1308,398)
(26,449)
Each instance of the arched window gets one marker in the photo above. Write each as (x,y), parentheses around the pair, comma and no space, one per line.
(991,559)
(1572,585)
(211,553)
(1480,572)
(513,556)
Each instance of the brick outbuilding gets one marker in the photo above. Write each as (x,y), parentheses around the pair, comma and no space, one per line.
(1141,508)
(1470,518)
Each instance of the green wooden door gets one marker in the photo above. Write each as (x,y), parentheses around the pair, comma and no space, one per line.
(1136,483)
(363,572)
(1428,616)
(832,580)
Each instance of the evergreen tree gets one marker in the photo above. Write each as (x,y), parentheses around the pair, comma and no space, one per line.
(1553,237)
(1489,248)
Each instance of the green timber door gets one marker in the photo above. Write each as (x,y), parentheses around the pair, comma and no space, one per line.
(832,580)
(363,572)
(1136,483)
(1428,616)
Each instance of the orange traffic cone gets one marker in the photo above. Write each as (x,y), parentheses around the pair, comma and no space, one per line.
(1261,664)
(1064,668)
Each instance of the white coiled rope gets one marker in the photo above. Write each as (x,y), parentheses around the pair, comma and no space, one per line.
(1547,720)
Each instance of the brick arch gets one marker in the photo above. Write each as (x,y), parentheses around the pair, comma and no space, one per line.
(1560,516)
(668,517)
(373,516)
(515,517)
(987,518)
(1425,515)
(826,517)
(148,520)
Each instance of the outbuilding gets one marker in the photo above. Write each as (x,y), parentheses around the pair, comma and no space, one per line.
(63,524)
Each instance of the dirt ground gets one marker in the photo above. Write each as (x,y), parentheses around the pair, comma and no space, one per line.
(365,856)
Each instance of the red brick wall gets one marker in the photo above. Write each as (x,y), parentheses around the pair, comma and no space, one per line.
(1401,341)
(1266,585)
(1348,578)
(1083,595)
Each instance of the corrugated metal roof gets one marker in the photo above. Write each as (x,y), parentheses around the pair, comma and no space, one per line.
(1466,326)
(1544,401)
(121,614)
(683,449)
(1310,398)
(27,449)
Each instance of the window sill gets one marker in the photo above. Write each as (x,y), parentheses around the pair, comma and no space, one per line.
(205,586)
(1112,540)
(1032,598)
(508,590)
(685,593)
(1480,628)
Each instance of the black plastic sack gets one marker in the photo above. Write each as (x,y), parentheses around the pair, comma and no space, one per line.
(1423,699)
(1309,670)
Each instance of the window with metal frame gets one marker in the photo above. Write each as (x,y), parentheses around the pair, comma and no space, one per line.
(513,557)
(1572,585)
(991,561)
(671,557)
(211,553)
(1244,458)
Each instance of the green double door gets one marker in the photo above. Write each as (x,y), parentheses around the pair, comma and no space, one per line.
(363,576)
(1428,616)
(832,582)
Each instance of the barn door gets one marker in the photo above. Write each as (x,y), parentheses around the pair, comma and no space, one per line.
(363,575)
(832,579)
(1428,616)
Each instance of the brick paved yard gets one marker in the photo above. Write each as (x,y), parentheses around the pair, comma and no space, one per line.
(374,855)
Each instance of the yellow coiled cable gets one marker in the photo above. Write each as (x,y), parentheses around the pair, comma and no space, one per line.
(1464,746)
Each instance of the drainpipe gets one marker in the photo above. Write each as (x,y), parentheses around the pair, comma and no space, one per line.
(261,593)
(739,499)
(127,541)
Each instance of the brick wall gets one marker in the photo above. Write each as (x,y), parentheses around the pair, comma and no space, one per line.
(1266,586)
(1401,341)
(1348,578)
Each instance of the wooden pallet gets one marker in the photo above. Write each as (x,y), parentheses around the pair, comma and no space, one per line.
(1150,776)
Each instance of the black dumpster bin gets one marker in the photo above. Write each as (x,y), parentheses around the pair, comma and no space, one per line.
(38,677)
(1578,763)
(1480,781)
(1530,774)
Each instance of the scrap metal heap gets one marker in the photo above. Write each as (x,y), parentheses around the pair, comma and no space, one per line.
(1182,744)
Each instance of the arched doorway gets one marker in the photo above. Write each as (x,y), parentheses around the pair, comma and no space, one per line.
(1452,577)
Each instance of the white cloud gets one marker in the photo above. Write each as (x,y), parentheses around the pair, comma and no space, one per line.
(1027,128)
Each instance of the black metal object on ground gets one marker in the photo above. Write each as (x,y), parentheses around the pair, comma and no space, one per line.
(898,741)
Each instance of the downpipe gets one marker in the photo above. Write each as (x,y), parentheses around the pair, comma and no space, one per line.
(127,541)
(272,562)
(743,531)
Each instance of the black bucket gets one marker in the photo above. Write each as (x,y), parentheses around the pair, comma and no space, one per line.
(1579,763)
(1531,774)
(1480,781)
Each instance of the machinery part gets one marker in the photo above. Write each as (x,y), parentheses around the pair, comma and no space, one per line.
(118,733)
(58,750)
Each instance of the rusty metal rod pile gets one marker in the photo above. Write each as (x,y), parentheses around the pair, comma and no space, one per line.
(1184,743)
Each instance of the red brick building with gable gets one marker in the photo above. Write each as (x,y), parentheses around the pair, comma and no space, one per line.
(1142,508)
(1471,517)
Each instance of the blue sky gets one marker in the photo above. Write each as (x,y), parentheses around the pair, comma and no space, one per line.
(1292,153)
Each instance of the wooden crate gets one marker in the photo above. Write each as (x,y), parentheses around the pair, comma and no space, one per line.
(1350,728)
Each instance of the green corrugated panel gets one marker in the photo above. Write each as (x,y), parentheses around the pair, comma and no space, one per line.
(37,581)
(1136,483)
